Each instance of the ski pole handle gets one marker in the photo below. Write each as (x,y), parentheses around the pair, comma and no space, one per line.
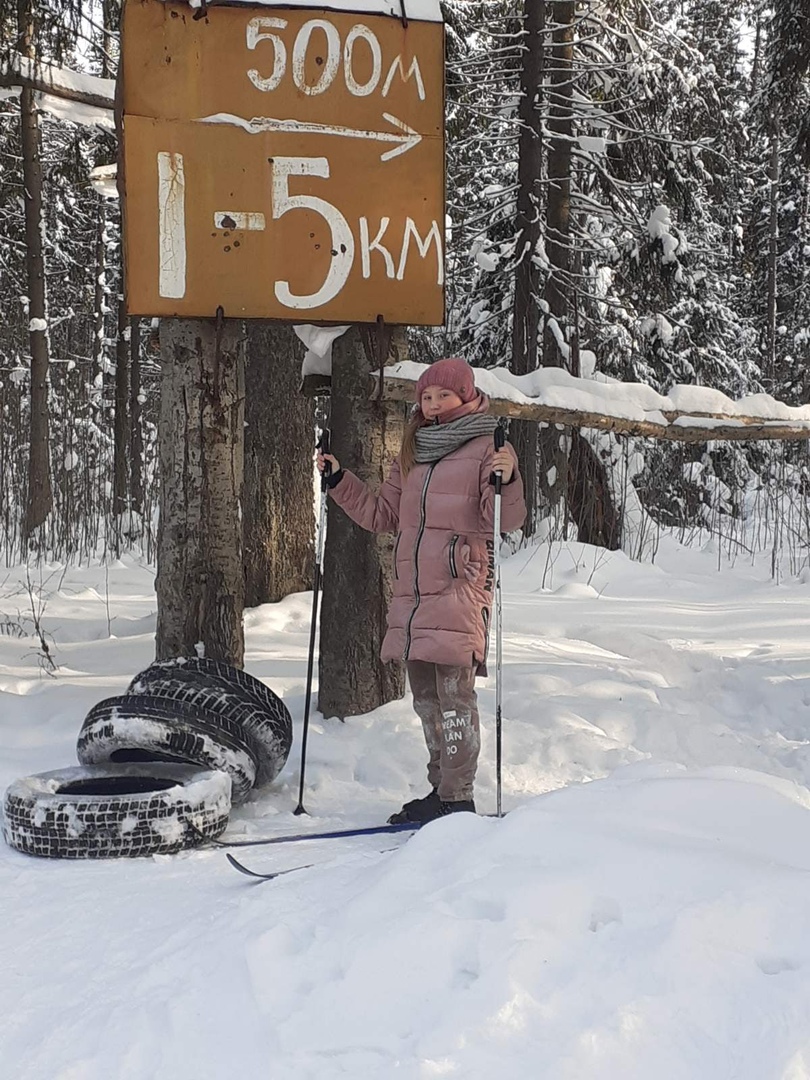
(323,446)
(500,442)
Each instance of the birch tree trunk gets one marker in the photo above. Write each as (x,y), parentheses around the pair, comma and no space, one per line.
(40,494)
(200,579)
(569,467)
(553,448)
(526,322)
(366,437)
(278,519)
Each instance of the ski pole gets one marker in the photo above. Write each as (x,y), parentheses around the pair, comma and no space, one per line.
(323,446)
(500,439)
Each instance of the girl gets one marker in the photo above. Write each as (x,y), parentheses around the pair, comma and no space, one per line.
(439,500)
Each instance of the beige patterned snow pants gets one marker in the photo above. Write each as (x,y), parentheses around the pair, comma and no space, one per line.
(445,701)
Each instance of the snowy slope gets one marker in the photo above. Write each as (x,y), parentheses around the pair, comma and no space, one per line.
(652,923)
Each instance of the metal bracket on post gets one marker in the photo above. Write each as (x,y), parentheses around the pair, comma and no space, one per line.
(219,326)
(404,16)
(202,12)
(376,347)
(383,340)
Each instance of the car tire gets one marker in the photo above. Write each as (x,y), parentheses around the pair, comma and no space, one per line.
(268,722)
(137,728)
(115,811)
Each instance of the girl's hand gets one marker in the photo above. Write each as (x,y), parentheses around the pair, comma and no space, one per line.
(333,461)
(503,463)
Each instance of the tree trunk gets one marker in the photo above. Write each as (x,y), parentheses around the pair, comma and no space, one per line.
(200,580)
(558,215)
(135,430)
(589,499)
(111,25)
(99,360)
(553,456)
(770,366)
(278,519)
(40,495)
(121,430)
(366,437)
(526,321)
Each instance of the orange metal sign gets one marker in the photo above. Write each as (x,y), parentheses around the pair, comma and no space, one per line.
(283,163)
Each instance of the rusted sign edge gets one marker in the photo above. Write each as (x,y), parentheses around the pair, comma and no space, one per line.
(406,13)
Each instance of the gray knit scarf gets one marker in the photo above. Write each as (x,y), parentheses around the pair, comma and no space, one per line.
(434,441)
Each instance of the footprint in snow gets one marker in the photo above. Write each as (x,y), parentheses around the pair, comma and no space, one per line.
(605,911)
(775,965)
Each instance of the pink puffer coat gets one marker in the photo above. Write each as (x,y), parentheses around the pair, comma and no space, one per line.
(443,558)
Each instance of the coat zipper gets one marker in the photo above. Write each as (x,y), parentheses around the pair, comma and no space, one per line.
(452,554)
(396,550)
(419,536)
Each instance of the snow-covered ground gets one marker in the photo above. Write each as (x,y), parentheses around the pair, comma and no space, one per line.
(651,923)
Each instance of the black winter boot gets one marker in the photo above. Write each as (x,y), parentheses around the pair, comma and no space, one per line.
(463,806)
(417,810)
(437,809)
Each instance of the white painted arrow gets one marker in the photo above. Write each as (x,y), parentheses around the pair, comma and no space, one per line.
(406,141)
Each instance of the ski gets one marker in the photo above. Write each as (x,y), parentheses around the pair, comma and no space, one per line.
(334,834)
(262,877)
(240,866)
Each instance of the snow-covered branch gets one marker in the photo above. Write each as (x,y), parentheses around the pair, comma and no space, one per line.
(686,414)
(59,82)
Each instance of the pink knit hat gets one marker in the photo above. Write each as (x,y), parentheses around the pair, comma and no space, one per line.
(452,373)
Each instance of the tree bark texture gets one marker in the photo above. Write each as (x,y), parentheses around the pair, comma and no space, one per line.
(589,499)
(526,313)
(121,430)
(135,428)
(98,347)
(40,495)
(278,514)
(553,468)
(773,251)
(200,579)
(366,437)
(561,134)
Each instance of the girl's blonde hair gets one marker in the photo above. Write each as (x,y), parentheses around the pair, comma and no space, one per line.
(407,455)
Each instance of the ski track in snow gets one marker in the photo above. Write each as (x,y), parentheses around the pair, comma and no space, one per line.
(652,923)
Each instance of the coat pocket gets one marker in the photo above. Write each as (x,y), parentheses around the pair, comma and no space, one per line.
(396,552)
(485,618)
(461,562)
(451,556)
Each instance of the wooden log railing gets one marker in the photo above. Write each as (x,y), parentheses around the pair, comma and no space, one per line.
(677,426)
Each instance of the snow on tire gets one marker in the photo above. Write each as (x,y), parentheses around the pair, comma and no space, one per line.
(135,728)
(270,723)
(110,811)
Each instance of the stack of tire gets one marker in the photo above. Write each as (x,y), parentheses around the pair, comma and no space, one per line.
(161,766)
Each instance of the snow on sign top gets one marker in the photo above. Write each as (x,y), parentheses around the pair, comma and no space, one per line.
(419,10)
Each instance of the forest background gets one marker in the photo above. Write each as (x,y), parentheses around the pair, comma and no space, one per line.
(628,193)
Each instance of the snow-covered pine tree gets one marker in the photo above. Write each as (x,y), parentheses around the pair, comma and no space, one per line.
(484,41)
